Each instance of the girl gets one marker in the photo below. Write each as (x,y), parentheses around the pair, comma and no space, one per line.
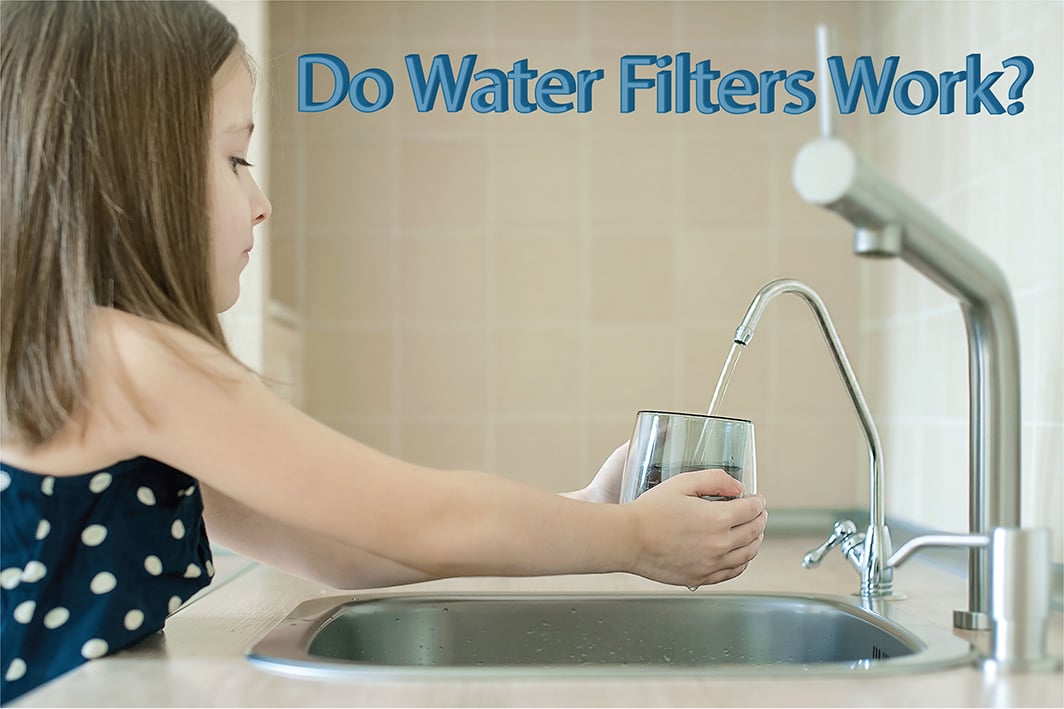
(129,430)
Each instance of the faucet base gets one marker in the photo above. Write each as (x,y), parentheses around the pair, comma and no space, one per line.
(971,620)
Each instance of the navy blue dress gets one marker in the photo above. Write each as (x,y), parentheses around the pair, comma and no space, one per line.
(92,563)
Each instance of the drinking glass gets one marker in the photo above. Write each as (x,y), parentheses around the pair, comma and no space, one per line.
(665,443)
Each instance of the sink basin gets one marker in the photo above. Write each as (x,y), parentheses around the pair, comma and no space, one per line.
(447,634)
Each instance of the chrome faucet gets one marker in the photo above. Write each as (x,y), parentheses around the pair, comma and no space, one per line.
(1018,571)
(868,551)
(890,222)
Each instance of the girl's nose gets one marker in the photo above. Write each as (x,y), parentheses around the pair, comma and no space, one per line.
(260,207)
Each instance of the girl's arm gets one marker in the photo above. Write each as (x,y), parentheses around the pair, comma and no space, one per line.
(298,551)
(208,416)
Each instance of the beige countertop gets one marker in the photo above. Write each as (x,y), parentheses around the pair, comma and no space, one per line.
(199,659)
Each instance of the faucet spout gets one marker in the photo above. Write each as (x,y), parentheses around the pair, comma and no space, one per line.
(867,552)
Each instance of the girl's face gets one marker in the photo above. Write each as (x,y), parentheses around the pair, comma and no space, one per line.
(237,203)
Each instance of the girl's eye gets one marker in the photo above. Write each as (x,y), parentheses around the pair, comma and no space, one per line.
(235,161)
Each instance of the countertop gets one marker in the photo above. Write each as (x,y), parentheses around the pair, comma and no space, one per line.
(199,659)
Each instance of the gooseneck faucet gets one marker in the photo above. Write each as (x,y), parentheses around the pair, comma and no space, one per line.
(867,552)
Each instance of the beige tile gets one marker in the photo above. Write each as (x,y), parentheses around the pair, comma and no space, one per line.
(348,279)
(827,265)
(446,445)
(443,372)
(349,373)
(331,21)
(442,279)
(536,277)
(442,184)
(808,383)
(644,22)
(527,21)
(284,17)
(807,463)
(1048,372)
(725,184)
(1048,478)
(632,278)
(1050,219)
(544,455)
(942,377)
(904,453)
(631,183)
(538,183)
(442,20)
(284,271)
(538,371)
(720,271)
(285,176)
(795,22)
(348,184)
(939,477)
(630,368)
(712,23)
(703,353)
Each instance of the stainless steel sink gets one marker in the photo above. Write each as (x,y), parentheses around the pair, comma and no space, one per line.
(581,634)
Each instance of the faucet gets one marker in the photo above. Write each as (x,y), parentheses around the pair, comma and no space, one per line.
(868,551)
(1019,559)
(889,222)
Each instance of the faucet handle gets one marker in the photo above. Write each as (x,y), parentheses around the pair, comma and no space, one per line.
(842,531)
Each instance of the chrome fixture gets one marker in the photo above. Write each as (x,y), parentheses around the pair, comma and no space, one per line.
(1019,592)
(867,551)
(1019,568)
(890,222)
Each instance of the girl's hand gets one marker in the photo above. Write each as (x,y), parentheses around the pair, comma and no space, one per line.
(605,487)
(685,540)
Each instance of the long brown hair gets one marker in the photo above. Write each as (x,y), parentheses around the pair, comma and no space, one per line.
(105,118)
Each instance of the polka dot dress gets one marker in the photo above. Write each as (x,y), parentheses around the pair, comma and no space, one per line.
(92,563)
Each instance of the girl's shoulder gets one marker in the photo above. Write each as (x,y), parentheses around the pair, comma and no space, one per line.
(137,370)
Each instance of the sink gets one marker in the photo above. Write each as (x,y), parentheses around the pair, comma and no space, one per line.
(584,634)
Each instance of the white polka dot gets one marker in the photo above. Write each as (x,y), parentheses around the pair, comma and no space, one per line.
(100,482)
(47,485)
(56,617)
(193,572)
(94,535)
(134,619)
(103,582)
(153,565)
(177,529)
(145,495)
(175,603)
(9,578)
(34,572)
(210,568)
(24,611)
(5,480)
(191,489)
(93,649)
(43,527)
(15,670)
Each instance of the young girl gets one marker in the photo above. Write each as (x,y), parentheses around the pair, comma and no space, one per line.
(130,432)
